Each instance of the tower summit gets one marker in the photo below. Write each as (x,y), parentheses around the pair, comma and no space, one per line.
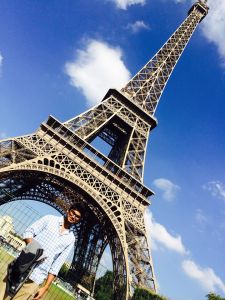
(59,165)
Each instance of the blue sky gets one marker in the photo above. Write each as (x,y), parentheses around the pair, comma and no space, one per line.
(60,57)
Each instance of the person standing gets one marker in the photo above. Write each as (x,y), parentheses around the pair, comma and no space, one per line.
(56,236)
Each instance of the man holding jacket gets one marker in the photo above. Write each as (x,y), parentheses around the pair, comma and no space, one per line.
(56,237)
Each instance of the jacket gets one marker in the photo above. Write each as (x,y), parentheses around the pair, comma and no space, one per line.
(20,269)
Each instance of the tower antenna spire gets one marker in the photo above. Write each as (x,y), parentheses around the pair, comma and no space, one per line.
(146,87)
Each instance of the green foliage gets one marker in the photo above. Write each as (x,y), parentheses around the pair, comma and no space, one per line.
(104,287)
(146,294)
(104,290)
(212,296)
(87,281)
(63,271)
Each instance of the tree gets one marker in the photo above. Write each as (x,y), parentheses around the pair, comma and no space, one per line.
(63,271)
(104,287)
(146,294)
(104,290)
(212,296)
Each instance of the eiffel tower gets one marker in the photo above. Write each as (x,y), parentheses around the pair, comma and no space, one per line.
(59,165)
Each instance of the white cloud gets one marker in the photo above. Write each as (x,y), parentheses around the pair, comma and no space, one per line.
(205,276)
(97,68)
(216,188)
(123,4)
(168,188)
(213,26)
(137,26)
(159,236)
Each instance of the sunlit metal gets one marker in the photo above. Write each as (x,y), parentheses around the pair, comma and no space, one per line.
(59,165)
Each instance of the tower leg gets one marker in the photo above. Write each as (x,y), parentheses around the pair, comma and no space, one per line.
(92,235)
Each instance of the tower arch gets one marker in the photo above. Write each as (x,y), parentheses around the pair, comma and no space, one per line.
(93,234)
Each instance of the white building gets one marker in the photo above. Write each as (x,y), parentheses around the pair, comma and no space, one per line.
(8,233)
(6,226)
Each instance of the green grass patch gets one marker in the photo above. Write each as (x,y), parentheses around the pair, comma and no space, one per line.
(54,292)
(5,259)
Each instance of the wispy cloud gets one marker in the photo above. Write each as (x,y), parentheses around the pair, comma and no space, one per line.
(96,68)
(3,135)
(124,4)
(137,26)
(1,58)
(205,276)
(200,217)
(213,26)
(179,1)
(1,61)
(168,188)
(159,236)
(216,188)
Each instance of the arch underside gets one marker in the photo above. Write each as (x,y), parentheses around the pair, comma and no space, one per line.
(93,233)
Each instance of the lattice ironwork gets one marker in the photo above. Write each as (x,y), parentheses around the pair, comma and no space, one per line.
(59,164)
(146,87)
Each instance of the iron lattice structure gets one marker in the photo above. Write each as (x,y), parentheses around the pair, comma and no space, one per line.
(58,165)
